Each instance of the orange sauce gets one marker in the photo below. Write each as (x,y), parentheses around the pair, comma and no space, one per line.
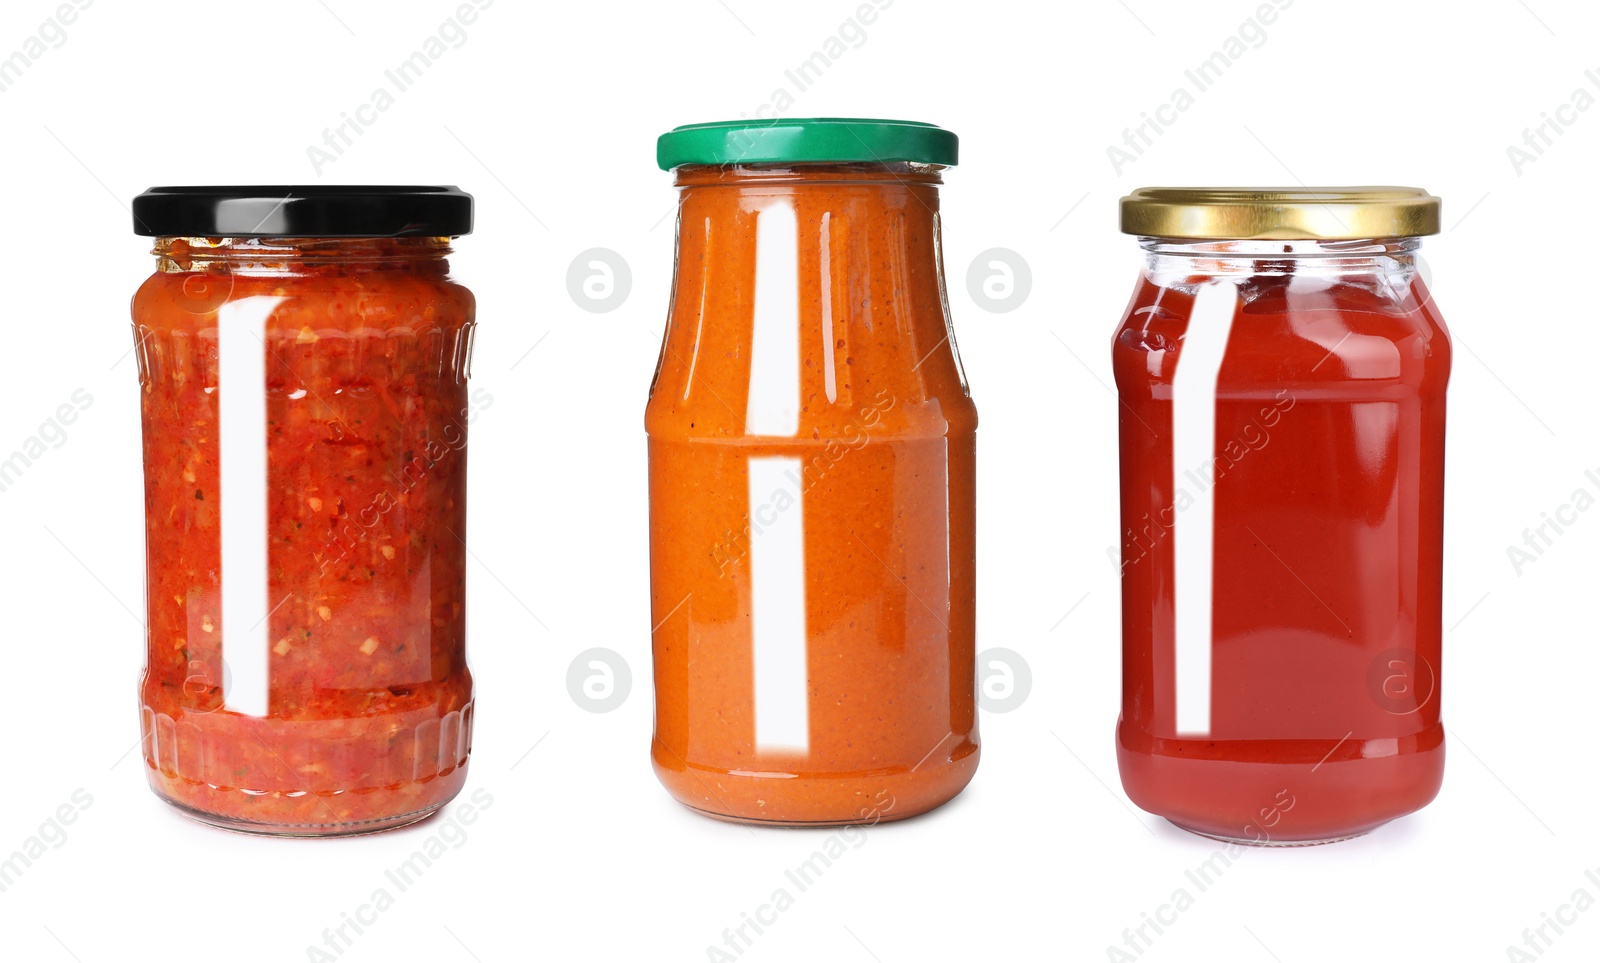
(870,629)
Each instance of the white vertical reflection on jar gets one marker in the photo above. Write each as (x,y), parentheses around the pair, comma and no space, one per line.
(830,385)
(242,464)
(773,405)
(1194,443)
(778,605)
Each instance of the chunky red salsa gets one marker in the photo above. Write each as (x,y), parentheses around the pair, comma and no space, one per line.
(368,701)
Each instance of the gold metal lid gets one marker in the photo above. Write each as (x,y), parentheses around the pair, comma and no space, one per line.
(1243,213)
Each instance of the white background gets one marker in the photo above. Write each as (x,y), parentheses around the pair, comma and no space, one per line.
(548,113)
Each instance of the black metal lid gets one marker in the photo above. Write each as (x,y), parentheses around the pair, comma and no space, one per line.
(303,211)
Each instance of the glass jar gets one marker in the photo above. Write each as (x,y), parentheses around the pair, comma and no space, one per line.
(1282,371)
(811,480)
(303,357)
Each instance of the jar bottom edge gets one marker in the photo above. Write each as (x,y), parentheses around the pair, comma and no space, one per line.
(301,831)
(1264,843)
(873,820)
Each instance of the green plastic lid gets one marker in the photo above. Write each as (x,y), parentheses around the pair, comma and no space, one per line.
(837,140)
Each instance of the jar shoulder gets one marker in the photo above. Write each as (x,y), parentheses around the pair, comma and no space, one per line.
(1308,331)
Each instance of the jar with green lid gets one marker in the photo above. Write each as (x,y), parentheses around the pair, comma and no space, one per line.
(811,479)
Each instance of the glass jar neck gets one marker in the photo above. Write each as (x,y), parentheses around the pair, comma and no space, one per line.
(292,255)
(836,223)
(1387,257)
(848,198)
(897,174)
